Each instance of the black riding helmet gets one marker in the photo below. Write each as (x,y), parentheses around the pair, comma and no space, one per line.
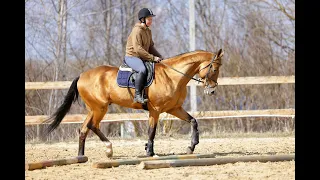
(143,13)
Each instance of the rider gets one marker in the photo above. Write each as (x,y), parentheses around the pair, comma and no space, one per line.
(140,48)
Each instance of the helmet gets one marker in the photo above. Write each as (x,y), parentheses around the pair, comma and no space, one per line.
(145,12)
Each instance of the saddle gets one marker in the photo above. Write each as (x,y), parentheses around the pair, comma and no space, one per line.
(126,75)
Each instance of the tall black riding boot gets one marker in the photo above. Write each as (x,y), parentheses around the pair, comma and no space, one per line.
(139,85)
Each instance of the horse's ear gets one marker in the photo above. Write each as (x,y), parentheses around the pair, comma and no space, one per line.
(220,53)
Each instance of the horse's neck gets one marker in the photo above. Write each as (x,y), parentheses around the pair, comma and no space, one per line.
(189,68)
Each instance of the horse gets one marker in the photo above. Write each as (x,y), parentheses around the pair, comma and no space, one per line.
(98,89)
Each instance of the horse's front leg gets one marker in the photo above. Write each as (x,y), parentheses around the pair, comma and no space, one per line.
(195,135)
(182,114)
(153,121)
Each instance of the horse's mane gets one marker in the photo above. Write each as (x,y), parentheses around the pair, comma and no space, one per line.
(178,58)
(182,54)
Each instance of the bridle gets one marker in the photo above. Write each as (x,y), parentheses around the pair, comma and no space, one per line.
(200,80)
(207,86)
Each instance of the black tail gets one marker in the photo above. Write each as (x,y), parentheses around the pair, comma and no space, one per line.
(57,117)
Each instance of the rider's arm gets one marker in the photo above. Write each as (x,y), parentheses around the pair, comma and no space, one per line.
(137,41)
(153,50)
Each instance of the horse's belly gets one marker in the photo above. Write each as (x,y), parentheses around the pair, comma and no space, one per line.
(122,97)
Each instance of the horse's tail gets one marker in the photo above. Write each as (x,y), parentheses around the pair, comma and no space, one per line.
(64,108)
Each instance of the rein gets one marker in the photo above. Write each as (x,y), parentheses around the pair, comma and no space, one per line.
(199,80)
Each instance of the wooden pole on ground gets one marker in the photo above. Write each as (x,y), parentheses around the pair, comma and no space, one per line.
(116,163)
(59,162)
(212,161)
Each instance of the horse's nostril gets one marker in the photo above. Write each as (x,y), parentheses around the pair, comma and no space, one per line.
(212,92)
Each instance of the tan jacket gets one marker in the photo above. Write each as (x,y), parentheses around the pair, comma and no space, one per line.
(140,43)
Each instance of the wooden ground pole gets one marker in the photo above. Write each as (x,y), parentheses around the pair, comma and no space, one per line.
(212,161)
(116,163)
(58,162)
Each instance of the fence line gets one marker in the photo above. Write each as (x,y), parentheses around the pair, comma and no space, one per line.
(222,81)
(118,117)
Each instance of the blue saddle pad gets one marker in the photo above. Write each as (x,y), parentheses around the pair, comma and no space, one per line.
(126,76)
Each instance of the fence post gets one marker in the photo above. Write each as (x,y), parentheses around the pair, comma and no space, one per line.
(192,41)
(39,136)
(122,130)
(38,133)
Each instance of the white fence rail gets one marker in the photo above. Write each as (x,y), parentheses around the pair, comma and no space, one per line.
(222,81)
(118,117)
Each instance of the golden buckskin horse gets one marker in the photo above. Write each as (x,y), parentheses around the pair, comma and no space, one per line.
(98,89)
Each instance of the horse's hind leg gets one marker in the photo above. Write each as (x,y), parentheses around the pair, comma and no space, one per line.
(182,114)
(94,125)
(83,134)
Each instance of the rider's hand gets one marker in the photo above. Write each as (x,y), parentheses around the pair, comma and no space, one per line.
(157,59)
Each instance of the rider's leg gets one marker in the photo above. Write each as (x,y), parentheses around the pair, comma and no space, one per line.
(138,65)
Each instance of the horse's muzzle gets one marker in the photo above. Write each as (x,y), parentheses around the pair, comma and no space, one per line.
(209,90)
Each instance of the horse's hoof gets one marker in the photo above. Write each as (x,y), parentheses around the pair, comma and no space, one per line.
(189,150)
(150,153)
(109,153)
(109,150)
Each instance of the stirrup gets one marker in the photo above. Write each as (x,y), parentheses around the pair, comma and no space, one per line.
(140,99)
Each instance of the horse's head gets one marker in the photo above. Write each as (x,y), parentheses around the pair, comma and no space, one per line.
(209,72)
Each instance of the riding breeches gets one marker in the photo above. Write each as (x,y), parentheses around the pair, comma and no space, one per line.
(136,64)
